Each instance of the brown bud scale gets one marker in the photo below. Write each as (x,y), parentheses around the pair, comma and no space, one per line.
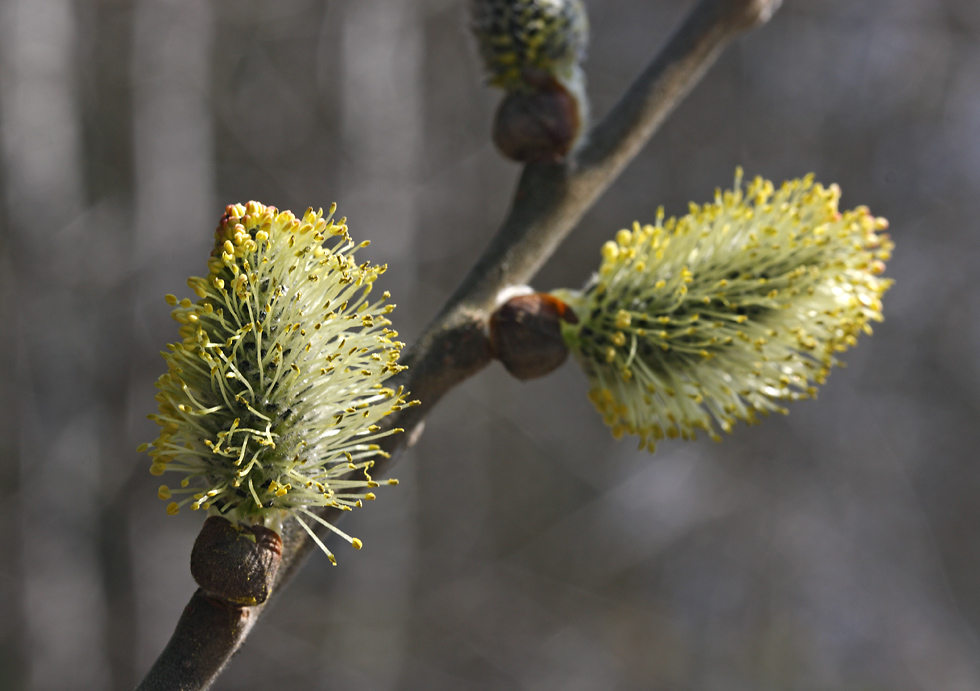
(525,333)
(539,125)
(237,563)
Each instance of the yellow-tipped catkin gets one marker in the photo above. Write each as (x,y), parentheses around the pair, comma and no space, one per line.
(517,36)
(533,50)
(272,400)
(694,323)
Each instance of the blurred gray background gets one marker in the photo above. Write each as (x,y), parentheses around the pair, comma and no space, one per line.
(836,548)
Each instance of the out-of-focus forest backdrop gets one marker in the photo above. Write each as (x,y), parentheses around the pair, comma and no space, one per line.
(836,548)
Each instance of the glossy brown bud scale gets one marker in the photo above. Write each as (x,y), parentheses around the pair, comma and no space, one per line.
(237,563)
(525,333)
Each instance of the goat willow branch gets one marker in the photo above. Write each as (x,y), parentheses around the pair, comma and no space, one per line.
(549,200)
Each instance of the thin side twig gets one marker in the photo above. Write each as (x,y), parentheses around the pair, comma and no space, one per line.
(548,202)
